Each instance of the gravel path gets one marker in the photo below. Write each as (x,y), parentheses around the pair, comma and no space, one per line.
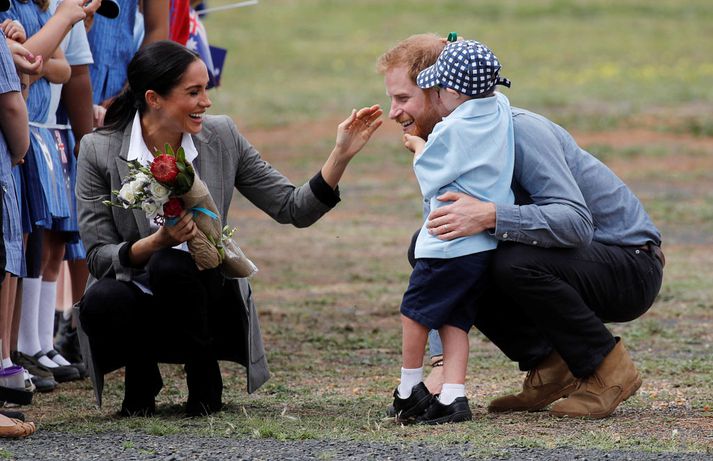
(60,447)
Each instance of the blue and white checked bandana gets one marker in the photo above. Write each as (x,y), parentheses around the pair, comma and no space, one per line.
(466,66)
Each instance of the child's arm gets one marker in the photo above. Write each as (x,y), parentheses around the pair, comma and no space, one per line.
(57,69)
(14,124)
(414,143)
(25,62)
(48,38)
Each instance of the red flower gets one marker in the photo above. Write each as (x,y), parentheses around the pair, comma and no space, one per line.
(164,168)
(173,208)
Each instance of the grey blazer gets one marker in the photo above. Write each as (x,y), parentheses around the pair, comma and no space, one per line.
(226,160)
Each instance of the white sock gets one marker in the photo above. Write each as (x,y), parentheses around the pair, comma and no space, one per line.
(409,378)
(46,361)
(59,360)
(450,392)
(6,363)
(45,316)
(28,341)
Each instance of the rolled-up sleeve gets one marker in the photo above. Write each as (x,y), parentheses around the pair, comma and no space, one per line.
(550,210)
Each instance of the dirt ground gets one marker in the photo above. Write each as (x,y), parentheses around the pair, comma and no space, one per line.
(349,270)
(328,300)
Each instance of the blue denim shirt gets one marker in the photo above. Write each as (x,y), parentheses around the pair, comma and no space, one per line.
(564,196)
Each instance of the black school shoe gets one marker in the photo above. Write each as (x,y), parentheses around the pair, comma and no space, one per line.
(408,409)
(438,413)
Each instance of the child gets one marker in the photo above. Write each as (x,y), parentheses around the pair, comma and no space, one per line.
(470,151)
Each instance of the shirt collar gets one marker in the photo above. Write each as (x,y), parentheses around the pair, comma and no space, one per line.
(138,149)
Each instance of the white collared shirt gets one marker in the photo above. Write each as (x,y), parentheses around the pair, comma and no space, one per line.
(138,149)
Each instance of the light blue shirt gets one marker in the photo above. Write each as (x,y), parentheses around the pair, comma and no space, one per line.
(469,151)
(564,196)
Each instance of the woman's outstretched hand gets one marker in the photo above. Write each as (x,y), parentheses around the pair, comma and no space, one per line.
(354,132)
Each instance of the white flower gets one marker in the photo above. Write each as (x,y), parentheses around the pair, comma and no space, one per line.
(159,192)
(138,185)
(142,177)
(127,194)
(150,207)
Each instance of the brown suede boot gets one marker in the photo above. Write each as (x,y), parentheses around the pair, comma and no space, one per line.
(550,381)
(597,396)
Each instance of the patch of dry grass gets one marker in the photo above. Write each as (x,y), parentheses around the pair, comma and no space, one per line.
(328,298)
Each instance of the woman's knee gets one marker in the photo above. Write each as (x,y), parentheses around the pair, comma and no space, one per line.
(170,264)
(103,302)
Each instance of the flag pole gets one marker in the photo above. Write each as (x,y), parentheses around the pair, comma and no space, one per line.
(227,7)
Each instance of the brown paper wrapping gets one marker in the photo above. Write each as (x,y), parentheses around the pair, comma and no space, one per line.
(204,252)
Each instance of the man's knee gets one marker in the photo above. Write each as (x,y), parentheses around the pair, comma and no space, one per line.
(507,257)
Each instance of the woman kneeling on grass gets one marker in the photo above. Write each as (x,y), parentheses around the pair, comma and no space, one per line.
(147,301)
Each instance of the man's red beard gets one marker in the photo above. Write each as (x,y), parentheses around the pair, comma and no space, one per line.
(428,120)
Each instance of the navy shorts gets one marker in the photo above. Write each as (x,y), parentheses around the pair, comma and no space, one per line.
(446,291)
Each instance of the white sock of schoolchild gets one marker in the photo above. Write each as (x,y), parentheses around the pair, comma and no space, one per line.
(6,363)
(450,392)
(45,321)
(409,378)
(28,341)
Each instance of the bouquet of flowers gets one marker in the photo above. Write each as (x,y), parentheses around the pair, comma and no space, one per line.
(167,187)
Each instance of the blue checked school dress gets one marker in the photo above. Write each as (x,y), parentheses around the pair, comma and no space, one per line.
(112,44)
(44,196)
(11,224)
(64,145)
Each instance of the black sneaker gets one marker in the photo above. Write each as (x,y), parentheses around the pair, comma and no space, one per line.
(437,413)
(410,408)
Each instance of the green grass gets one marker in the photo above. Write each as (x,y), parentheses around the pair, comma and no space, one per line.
(589,63)
(328,296)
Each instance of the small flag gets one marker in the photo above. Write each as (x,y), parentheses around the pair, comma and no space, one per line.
(198,42)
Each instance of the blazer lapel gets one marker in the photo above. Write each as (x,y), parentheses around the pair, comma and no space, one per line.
(122,165)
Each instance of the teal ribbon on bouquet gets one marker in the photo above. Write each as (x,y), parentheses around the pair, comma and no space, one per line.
(195,209)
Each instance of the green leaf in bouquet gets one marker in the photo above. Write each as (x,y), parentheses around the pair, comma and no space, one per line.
(181,156)
(181,167)
(169,150)
(183,184)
